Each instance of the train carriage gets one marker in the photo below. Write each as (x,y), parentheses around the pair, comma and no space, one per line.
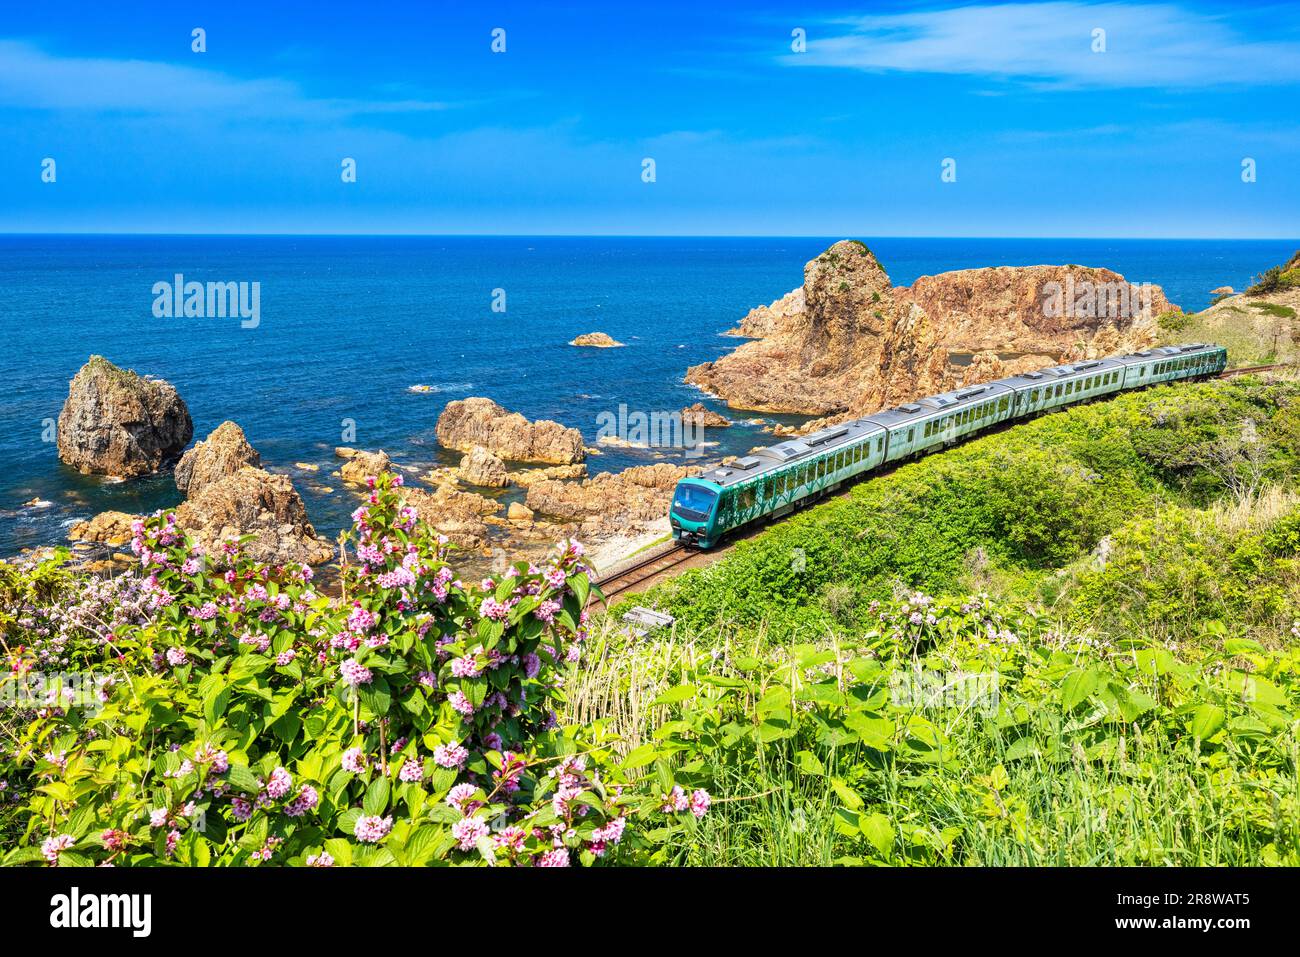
(771,482)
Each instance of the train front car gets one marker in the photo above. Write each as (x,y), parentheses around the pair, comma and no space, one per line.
(694,512)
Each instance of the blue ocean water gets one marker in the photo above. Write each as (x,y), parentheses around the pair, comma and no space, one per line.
(348,324)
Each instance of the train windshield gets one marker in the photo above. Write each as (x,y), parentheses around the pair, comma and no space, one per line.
(693,502)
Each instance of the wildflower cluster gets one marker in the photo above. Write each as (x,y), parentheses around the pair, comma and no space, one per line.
(251,719)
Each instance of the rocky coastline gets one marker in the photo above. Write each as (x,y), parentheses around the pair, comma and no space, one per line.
(846,343)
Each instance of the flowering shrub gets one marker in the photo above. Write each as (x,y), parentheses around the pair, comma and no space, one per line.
(245,718)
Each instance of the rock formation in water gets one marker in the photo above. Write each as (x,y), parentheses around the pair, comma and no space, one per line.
(253,502)
(108,528)
(222,453)
(456,514)
(849,342)
(703,417)
(481,467)
(466,423)
(595,340)
(611,504)
(115,422)
(361,465)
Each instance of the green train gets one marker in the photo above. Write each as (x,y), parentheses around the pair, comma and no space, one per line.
(774,481)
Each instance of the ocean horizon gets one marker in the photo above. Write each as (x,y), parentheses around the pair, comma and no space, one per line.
(348,324)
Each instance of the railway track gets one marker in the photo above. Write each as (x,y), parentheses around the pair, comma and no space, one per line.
(629,573)
(1246,370)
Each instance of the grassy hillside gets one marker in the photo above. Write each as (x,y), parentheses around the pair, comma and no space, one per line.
(1072,643)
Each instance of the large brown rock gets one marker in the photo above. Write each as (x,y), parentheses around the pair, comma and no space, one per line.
(481,467)
(361,466)
(456,514)
(115,422)
(853,343)
(222,453)
(254,502)
(704,417)
(110,528)
(466,423)
(625,503)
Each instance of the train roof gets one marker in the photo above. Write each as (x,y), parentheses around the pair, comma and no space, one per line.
(799,447)
(932,404)
(789,451)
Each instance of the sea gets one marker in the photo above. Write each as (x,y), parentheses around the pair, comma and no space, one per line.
(362,340)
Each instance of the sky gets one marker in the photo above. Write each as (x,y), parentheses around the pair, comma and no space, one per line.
(1046,126)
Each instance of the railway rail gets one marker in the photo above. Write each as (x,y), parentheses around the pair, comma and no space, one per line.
(629,573)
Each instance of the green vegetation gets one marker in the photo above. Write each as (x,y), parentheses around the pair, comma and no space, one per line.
(1007,513)
(1072,643)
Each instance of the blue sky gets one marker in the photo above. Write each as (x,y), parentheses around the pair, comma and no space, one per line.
(749,137)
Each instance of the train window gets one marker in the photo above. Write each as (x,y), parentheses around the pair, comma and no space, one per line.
(911,433)
(880,444)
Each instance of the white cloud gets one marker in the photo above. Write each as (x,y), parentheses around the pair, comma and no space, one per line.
(1147,45)
(33,79)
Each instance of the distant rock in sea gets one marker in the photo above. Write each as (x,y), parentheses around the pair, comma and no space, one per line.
(115,422)
(596,340)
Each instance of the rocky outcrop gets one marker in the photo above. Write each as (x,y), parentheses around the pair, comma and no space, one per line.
(456,514)
(481,467)
(254,502)
(762,321)
(595,340)
(854,343)
(610,504)
(361,466)
(222,453)
(108,528)
(704,417)
(527,477)
(466,423)
(115,422)
(519,512)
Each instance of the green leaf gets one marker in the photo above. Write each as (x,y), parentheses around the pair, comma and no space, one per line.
(1206,720)
(877,829)
(376,799)
(674,695)
(1076,687)
(809,763)
(846,794)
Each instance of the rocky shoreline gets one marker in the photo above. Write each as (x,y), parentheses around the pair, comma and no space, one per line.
(844,344)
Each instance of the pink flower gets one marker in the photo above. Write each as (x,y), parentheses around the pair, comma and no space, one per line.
(557,857)
(467,832)
(241,808)
(354,673)
(354,760)
(459,796)
(307,799)
(511,839)
(323,859)
(372,828)
(676,801)
(450,755)
(700,802)
(158,817)
(412,771)
(279,783)
(612,832)
(461,703)
(176,657)
(51,847)
(465,667)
